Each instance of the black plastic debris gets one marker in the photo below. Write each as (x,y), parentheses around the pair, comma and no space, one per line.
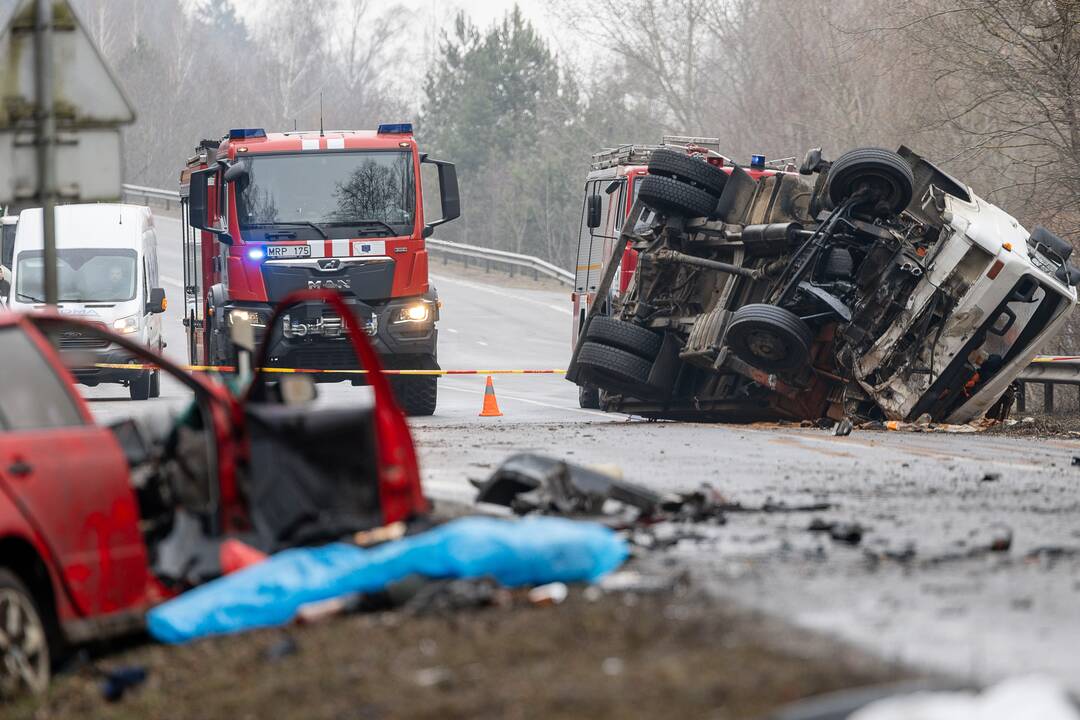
(843,428)
(281,648)
(439,597)
(991,477)
(845,532)
(118,681)
(1076,461)
(535,483)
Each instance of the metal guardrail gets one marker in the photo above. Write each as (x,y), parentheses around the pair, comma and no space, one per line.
(487,257)
(501,259)
(1048,370)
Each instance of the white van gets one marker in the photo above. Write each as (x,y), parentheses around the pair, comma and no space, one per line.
(107,273)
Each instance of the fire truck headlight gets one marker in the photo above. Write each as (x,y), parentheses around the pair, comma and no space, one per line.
(253,317)
(418,312)
(126,325)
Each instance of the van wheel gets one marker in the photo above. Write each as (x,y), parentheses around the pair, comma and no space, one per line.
(24,648)
(416,394)
(155,384)
(769,337)
(139,388)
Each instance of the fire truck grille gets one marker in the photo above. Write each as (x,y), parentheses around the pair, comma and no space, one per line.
(336,358)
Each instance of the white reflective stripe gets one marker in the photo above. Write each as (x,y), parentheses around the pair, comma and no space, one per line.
(318,248)
(341,248)
(312,144)
(335,144)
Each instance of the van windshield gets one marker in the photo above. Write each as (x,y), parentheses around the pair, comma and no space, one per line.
(83,275)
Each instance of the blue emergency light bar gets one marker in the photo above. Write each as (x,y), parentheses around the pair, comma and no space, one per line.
(246,133)
(395,129)
(757,162)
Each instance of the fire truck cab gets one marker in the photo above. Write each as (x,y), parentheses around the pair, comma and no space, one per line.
(267,214)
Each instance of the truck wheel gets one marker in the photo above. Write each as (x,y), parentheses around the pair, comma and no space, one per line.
(619,365)
(884,177)
(769,337)
(139,387)
(155,384)
(626,336)
(24,647)
(416,394)
(671,197)
(692,170)
(588,397)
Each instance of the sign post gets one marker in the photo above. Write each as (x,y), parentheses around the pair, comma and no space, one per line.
(46,138)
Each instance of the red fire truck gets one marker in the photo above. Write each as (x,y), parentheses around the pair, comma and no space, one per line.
(266,214)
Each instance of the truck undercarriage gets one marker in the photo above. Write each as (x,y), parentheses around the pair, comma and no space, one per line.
(873,287)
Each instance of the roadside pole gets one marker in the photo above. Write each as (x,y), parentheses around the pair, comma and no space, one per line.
(45,140)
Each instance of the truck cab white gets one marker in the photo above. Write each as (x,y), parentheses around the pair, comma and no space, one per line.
(107,272)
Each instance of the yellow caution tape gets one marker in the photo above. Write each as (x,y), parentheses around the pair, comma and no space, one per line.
(229,368)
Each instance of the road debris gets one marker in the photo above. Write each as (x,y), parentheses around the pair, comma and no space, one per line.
(843,428)
(119,680)
(845,532)
(451,596)
(547,595)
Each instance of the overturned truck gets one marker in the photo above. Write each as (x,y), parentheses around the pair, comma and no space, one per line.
(875,286)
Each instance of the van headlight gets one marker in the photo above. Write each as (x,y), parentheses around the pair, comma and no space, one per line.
(126,325)
(252,317)
(415,313)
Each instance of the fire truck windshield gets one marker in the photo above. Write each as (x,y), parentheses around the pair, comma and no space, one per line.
(372,189)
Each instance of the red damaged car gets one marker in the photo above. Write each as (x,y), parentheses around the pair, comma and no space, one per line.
(99,523)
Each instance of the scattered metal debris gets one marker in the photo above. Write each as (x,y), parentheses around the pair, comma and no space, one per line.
(845,532)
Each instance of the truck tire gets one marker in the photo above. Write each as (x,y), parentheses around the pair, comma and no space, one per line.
(691,170)
(626,336)
(416,394)
(155,384)
(619,365)
(884,175)
(139,386)
(588,397)
(769,337)
(670,197)
(24,661)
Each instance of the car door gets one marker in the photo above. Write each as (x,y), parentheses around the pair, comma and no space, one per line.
(69,478)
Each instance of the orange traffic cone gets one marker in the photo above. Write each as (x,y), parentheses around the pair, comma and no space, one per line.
(491,405)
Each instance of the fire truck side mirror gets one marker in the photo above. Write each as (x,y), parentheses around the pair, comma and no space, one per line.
(449,199)
(592,212)
(202,184)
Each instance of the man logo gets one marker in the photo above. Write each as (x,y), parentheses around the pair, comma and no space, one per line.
(330,264)
(342,284)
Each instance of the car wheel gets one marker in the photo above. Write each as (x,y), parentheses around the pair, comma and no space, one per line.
(416,394)
(671,197)
(626,336)
(619,365)
(588,397)
(769,337)
(139,388)
(883,178)
(24,648)
(691,170)
(155,384)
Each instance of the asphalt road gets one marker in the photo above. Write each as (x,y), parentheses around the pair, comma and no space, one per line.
(932,499)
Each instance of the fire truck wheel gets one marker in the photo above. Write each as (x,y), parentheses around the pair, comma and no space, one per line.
(139,387)
(24,642)
(618,365)
(668,196)
(626,336)
(416,394)
(882,176)
(588,397)
(155,384)
(692,170)
(769,337)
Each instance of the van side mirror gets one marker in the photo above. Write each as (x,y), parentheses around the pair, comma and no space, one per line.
(157,302)
(592,212)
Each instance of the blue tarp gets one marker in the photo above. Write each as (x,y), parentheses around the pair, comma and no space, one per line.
(532,551)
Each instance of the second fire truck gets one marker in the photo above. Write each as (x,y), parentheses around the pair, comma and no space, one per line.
(268,213)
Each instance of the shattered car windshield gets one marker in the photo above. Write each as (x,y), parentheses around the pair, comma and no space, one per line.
(331,189)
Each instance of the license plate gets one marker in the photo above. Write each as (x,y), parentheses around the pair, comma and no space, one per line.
(288,251)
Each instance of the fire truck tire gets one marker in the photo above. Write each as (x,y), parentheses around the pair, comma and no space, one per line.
(619,365)
(25,664)
(671,197)
(882,174)
(588,397)
(139,387)
(769,337)
(416,394)
(626,336)
(691,170)
(155,384)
